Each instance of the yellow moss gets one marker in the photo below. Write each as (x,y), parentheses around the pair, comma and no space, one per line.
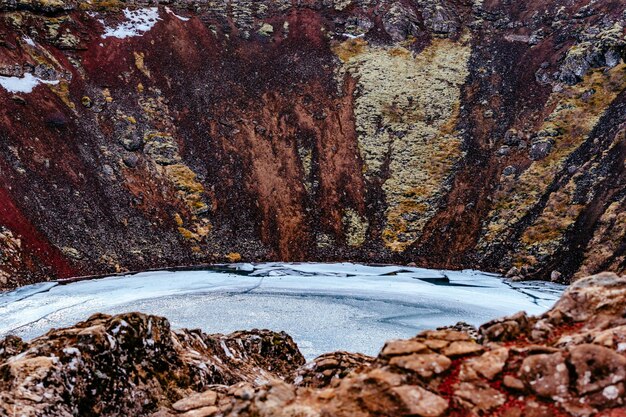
(62,90)
(406,113)
(306,158)
(569,126)
(204,230)
(86,101)
(101,5)
(399,52)
(106,93)
(201,231)
(140,64)
(233,257)
(349,49)
(184,178)
(355,227)
(187,234)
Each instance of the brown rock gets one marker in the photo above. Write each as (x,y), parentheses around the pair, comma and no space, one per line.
(490,364)
(482,396)
(462,348)
(513,383)
(588,298)
(403,347)
(199,400)
(328,367)
(445,334)
(152,359)
(436,344)
(425,365)
(609,396)
(505,329)
(201,412)
(597,367)
(420,402)
(383,377)
(546,374)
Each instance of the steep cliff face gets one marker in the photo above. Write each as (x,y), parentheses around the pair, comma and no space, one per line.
(451,134)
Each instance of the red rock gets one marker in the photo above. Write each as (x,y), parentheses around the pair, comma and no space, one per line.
(546,374)
(419,402)
(597,367)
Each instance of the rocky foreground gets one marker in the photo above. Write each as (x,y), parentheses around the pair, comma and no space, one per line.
(569,362)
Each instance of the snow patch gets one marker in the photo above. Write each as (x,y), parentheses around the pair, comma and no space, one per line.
(24,84)
(170,11)
(351,36)
(72,351)
(226,350)
(29,41)
(137,23)
(611,392)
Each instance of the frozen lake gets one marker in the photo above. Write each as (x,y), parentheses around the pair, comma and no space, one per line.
(324,307)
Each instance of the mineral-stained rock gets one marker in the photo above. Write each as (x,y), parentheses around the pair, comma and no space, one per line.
(375,131)
(540,149)
(400,22)
(132,363)
(546,375)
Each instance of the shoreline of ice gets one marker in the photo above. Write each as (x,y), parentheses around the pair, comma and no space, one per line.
(324,307)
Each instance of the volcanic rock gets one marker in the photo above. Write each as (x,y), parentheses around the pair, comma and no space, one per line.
(375,131)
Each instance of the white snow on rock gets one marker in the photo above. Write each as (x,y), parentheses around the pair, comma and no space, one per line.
(351,36)
(170,11)
(29,41)
(137,23)
(324,307)
(23,84)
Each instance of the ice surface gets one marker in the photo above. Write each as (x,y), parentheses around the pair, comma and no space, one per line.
(25,292)
(23,84)
(325,307)
(137,23)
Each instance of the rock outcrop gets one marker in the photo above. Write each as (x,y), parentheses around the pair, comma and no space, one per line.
(570,361)
(132,363)
(480,134)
